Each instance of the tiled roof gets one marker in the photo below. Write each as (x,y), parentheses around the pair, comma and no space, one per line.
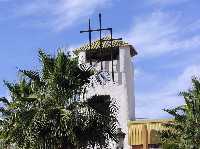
(105,44)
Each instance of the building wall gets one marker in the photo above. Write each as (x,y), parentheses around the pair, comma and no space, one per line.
(122,90)
(149,147)
(145,132)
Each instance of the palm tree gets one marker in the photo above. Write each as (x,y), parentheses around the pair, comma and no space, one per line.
(48,108)
(184,131)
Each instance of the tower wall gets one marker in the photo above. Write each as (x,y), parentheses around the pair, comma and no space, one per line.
(122,90)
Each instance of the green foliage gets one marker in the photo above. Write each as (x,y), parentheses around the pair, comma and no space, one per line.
(184,131)
(170,146)
(48,107)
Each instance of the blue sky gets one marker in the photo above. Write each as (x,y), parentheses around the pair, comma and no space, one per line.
(166,34)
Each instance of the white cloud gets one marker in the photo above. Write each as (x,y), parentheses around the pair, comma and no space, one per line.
(161,33)
(167,2)
(61,13)
(70,12)
(183,82)
(150,105)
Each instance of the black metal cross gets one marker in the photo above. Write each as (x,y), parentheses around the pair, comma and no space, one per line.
(100,29)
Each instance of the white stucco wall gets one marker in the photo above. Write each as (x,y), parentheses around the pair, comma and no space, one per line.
(123,88)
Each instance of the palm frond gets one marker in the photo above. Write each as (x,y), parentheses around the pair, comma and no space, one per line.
(4,100)
(48,64)
(33,75)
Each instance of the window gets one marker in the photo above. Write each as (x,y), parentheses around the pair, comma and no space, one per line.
(105,55)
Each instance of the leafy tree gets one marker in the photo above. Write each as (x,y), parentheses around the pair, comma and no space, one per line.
(49,109)
(184,131)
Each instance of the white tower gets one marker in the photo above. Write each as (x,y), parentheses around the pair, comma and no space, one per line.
(122,89)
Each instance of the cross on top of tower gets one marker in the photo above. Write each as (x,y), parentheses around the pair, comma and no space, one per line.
(101,41)
(100,29)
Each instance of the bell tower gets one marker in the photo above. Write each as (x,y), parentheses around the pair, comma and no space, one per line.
(113,56)
(120,67)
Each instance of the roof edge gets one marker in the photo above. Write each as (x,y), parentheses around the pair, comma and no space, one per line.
(149,121)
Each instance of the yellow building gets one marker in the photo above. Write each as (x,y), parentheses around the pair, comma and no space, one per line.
(143,134)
